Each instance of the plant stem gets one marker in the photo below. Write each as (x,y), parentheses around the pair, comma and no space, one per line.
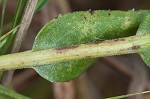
(9,94)
(2,17)
(128,95)
(120,46)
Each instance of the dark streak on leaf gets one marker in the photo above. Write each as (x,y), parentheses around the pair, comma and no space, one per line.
(135,47)
(56,17)
(120,39)
(65,48)
(109,14)
(91,12)
(84,17)
(114,40)
(88,57)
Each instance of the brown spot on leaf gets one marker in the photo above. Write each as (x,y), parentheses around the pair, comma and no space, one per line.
(109,14)
(56,17)
(94,42)
(84,17)
(135,47)
(91,12)
(88,57)
(65,48)
(2,69)
(114,40)
(120,39)
(129,19)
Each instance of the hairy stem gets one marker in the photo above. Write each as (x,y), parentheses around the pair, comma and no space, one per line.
(29,59)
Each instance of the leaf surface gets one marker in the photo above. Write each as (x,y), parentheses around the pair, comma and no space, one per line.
(143,30)
(80,28)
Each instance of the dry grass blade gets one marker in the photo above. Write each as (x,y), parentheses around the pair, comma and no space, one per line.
(13,30)
(24,27)
(29,12)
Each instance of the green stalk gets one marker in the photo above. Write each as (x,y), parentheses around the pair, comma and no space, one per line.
(17,13)
(22,10)
(129,95)
(0,1)
(15,22)
(120,46)
(8,33)
(3,14)
(6,93)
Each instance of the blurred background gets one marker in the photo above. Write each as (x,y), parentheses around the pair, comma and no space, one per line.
(108,77)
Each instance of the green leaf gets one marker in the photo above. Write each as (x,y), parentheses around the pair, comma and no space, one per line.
(9,94)
(143,30)
(40,4)
(79,28)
